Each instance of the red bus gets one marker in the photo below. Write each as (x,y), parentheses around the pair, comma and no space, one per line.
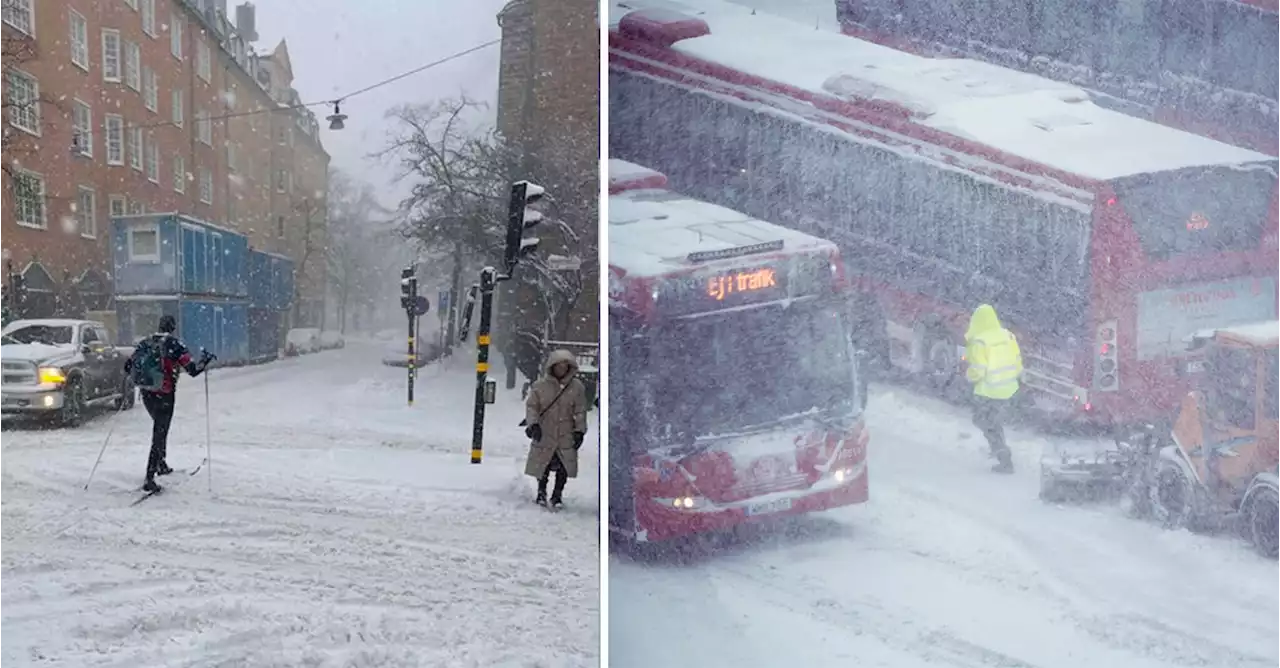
(734,392)
(1102,239)
(1207,66)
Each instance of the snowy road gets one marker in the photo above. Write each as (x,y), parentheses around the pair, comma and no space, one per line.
(344,529)
(949,565)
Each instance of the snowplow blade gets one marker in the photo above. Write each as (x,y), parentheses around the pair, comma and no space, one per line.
(1080,471)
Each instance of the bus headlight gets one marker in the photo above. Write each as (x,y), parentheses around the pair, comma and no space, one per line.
(843,475)
(681,502)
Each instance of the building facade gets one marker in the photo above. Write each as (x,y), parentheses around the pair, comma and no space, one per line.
(548,109)
(118,107)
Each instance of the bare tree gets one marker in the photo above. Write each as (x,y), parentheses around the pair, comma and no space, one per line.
(313,229)
(356,250)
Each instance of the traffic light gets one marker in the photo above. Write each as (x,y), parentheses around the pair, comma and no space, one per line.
(520,217)
(408,288)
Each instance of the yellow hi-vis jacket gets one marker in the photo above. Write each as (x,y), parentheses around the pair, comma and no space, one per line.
(995,361)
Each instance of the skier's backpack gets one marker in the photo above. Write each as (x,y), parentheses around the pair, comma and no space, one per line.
(147,369)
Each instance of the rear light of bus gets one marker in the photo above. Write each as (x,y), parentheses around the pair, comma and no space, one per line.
(1106,368)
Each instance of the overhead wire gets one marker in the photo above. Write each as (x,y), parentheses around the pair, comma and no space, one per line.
(334,100)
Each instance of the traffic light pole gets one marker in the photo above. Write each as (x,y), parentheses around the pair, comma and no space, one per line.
(413,358)
(488,279)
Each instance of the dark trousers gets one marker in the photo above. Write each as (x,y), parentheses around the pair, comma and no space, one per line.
(562,477)
(989,415)
(160,408)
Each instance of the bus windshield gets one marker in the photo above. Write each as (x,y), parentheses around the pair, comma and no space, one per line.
(732,372)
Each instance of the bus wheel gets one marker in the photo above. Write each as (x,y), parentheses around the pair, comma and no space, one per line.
(941,363)
(1263,518)
(1172,495)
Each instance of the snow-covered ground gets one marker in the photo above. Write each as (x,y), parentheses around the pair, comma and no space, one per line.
(950,565)
(344,529)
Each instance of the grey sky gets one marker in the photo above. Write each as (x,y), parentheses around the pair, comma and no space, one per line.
(339,46)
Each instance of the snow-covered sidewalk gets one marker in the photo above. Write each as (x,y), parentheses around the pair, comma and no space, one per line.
(344,529)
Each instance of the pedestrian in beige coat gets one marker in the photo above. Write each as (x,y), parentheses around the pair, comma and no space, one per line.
(556,419)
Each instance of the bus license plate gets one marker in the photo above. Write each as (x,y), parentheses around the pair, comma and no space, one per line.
(768,507)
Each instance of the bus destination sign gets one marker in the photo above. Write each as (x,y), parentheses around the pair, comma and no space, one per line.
(723,286)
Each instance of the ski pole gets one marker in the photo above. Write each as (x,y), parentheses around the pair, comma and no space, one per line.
(105,441)
(208,434)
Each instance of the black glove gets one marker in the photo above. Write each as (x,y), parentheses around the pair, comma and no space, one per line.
(577,439)
(534,431)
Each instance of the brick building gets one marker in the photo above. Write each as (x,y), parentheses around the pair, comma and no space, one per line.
(117,107)
(548,108)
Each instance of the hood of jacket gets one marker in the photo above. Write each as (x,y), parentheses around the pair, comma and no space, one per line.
(983,320)
(558,356)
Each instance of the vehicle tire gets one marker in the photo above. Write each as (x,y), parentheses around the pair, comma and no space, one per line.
(1172,495)
(1263,517)
(941,363)
(128,396)
(73,404)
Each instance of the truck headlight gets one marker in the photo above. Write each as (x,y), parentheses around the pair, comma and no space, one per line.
(52,374)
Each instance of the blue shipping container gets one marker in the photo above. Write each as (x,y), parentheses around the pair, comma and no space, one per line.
(171,253)
(219,326)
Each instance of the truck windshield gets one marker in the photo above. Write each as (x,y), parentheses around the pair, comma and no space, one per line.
(726,373)
(47,334)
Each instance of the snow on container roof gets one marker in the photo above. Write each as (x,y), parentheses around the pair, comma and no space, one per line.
(625,175)
(1038,119)
(652,232)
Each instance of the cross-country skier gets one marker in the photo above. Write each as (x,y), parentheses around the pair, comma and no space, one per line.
(556,419)
(155,365)
(995,365)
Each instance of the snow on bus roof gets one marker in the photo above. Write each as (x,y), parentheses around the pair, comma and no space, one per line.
(1048,122)
(652,232)
(1266,333)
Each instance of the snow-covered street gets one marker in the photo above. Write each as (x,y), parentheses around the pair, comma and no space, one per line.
(344,528)
(948,565)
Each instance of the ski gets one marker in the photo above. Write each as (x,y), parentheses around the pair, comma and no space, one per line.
(146,496)
(190,474)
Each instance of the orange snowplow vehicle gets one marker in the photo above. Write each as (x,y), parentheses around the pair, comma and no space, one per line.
(1217,465)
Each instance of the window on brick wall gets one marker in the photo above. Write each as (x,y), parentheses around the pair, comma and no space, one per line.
(203,58)
(82,128)
(114,126)
(280,226)
(132,65)
(135,148)
(79,39)
(28,195)
(153,159)
(86,212)
(206,185)
(111,55)
(175,36)
(135,207)
(231,157)
(178,115)
(282,180)
(22,96)
(150,89)
(179,174)
(116,205)
(204,128)
(21,15)
(149,17)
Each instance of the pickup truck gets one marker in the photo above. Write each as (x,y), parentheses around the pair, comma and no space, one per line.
(58,368)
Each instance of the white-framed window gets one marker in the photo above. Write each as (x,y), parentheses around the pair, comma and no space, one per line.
(132,65)
(116,205)
(79,39)
(282,180)
(175,36)
(179,174)
(284,134)
(135,207)
(204,128)
(86,212)
(231,157)
(82,128)
(114,125)
(150,89)
(111,55)
(203,61)
(179,118)
(28,195)
(144,241)
(23,99)
(135,148)
(280,226)
(149,17)
(206,185)
(21,15)
(153,159)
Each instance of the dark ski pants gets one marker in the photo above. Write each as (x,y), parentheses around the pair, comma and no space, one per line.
(160,408)
(562,477)
(989,415)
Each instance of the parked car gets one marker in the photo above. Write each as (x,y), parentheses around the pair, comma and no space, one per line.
(331,340)
(301,341)
(58,368)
